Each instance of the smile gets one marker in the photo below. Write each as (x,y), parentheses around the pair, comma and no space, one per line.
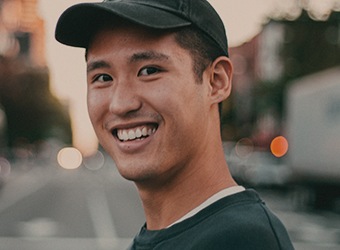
(137,133)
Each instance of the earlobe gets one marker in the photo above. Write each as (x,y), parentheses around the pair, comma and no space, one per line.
(221,79)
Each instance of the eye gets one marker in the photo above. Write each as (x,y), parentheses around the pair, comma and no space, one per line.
(102,78)
(148,71)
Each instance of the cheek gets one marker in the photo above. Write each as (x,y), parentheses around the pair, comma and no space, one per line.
(96,106)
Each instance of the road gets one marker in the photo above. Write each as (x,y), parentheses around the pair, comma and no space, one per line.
(84,209)
(47,207)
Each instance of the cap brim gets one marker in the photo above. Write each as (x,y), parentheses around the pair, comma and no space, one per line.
(77,24)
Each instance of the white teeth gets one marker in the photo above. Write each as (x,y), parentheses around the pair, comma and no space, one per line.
(144,131)
(132,135)
(136,133)
(125,136)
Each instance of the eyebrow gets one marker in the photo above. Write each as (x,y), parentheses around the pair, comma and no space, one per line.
(148,55)
(97,65)
(136,57)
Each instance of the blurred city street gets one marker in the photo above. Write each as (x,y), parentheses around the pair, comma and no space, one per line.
(47,207)
(280,127)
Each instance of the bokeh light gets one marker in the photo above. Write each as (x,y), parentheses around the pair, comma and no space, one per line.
(5,167)
(70,158)
(279,146)
(244,148)
(95,161)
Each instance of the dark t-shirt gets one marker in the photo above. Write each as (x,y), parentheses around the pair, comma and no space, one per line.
(237,222)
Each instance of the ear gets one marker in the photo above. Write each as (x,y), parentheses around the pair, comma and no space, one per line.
(220,79)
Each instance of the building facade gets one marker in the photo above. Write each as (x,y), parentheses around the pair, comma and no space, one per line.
(22,32)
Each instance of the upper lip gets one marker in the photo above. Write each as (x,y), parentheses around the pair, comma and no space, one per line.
(130,125)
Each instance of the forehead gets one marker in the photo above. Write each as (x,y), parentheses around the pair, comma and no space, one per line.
(132,44)
(130,35)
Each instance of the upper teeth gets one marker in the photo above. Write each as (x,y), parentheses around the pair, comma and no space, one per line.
(135,133)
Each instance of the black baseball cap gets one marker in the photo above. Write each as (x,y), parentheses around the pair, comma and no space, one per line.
(78,23)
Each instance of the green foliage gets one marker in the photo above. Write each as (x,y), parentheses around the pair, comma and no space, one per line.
(33,113)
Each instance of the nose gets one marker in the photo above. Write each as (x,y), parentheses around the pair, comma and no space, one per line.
(124,99)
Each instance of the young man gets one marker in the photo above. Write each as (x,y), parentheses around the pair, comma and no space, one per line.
(157,71)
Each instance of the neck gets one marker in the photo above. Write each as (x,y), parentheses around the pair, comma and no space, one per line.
(168,200)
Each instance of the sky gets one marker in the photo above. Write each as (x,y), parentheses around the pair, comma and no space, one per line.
(242,18)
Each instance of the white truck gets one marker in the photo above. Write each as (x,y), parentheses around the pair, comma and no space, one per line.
(313,132)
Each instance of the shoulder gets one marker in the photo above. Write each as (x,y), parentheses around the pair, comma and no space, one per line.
(244,222)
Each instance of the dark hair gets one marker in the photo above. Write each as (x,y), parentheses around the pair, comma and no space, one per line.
(202,49)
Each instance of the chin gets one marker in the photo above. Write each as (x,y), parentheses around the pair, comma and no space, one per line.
(135,172)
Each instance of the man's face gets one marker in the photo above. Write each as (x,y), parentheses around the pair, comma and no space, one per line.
(148,111)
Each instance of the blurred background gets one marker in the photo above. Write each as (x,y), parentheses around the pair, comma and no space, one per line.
(280,127)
